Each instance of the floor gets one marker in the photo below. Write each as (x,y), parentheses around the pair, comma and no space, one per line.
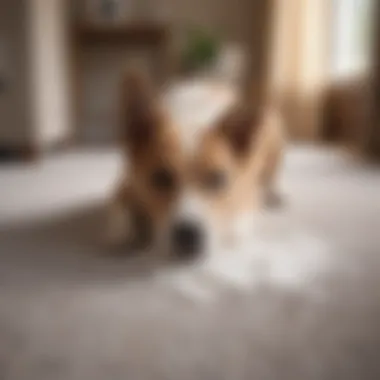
(301,302)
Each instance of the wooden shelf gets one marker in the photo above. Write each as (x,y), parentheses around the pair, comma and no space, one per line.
(136,33)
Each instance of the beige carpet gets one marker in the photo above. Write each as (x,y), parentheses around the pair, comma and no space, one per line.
(301,302)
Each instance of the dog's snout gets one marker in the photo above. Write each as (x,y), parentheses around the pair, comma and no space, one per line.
(188,239)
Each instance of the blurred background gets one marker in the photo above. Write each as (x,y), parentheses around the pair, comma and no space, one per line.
(306,306)
(61,62)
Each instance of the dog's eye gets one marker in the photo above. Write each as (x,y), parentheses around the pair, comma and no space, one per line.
(214,180)
(163,179)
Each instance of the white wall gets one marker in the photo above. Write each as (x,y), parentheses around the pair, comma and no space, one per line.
(50,70)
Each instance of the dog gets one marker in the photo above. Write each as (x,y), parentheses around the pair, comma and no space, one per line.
(188,199)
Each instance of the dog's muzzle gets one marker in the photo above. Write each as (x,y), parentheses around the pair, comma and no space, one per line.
(187,239)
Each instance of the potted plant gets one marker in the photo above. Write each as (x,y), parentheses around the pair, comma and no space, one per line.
(200,51)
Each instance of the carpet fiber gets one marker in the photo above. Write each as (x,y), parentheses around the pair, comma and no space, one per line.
(300,302)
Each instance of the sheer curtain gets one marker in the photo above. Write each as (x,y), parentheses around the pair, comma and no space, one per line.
(299,63)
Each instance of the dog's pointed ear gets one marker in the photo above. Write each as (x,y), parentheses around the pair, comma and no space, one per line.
(239,126)
(140,110)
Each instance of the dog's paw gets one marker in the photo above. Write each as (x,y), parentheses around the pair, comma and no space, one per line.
(274,199)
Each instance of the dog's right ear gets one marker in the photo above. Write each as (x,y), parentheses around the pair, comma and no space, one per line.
(140,111)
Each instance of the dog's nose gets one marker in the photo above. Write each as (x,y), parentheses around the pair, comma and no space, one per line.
(188,239)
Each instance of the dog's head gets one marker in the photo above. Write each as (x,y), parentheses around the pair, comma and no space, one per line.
(193,193)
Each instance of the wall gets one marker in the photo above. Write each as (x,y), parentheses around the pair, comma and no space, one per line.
(50,70)
(15,126)
(34,108)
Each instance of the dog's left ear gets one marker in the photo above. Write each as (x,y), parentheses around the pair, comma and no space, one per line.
(239,127)
(140,109)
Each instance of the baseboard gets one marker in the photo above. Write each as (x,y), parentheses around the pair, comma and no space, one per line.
(31,153)
(25,153)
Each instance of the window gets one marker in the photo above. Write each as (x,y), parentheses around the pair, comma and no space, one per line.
(352,31)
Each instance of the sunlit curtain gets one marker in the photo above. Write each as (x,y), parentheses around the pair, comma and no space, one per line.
(299,63)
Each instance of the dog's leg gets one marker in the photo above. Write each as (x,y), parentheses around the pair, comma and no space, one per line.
(272,196)
(120,229)
(128,225)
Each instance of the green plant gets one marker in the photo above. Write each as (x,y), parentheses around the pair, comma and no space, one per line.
(200,50)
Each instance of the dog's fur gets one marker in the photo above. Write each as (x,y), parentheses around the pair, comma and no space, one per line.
(243,147)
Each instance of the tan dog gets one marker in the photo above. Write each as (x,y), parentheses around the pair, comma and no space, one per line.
(194,197)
